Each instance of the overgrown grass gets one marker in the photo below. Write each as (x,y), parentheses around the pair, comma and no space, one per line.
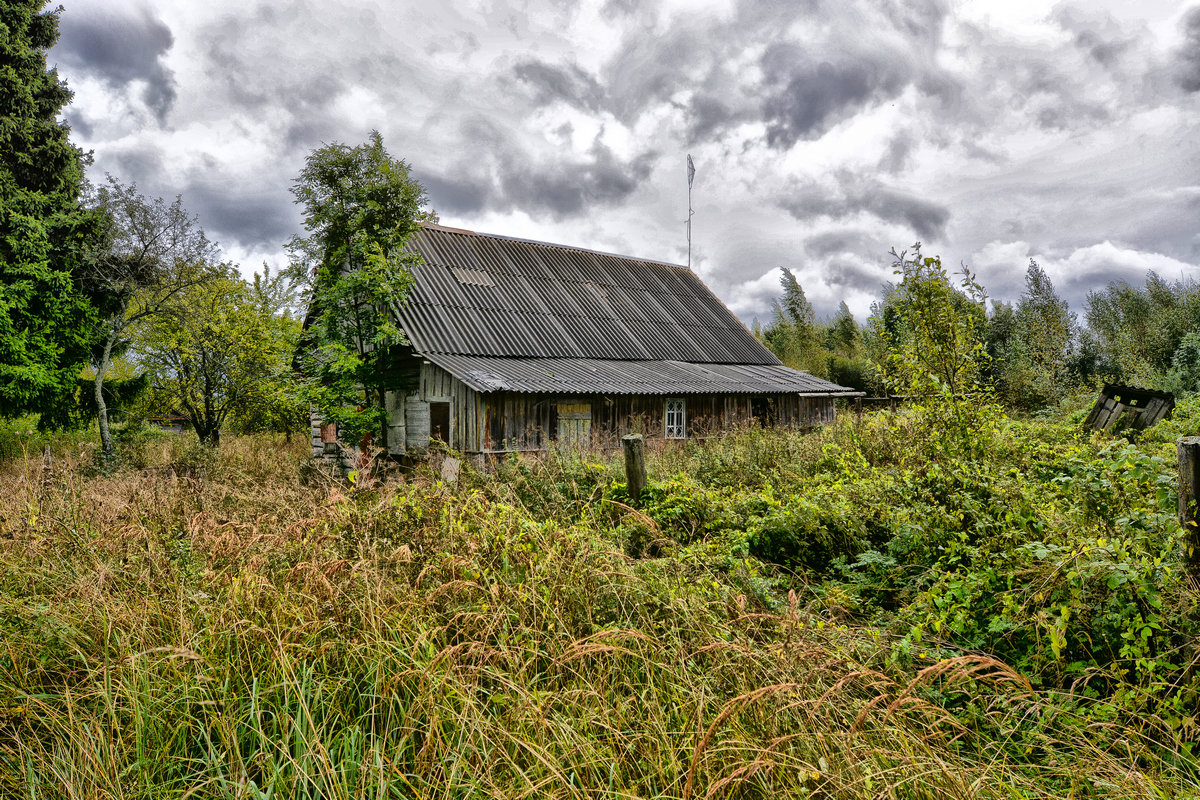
(228,632)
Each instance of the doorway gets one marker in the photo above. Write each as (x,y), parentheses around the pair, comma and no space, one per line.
(439,422)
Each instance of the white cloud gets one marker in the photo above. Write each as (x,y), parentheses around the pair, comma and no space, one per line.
(993,130)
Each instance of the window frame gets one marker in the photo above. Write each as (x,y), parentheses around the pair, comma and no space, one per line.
(679,429)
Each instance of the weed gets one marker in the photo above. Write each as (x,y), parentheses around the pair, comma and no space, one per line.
(238,634)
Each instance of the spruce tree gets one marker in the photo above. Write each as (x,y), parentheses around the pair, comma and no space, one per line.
(45,316)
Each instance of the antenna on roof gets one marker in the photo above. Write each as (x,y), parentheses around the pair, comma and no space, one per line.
(691,176)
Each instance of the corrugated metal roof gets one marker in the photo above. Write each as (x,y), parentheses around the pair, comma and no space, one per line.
(606,376)
(552,301)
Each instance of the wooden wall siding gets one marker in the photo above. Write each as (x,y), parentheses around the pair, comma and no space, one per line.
(394,404)
(508,421)
(574,423)
(416,422)
(466,407)
(513,421)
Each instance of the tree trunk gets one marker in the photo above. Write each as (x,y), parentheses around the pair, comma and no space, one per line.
(209,436)
(106,445)
(207,429)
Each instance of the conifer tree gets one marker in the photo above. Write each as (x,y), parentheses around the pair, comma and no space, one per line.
(794,307)
(45,317)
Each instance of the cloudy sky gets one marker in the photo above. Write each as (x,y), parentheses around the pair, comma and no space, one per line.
(824,132)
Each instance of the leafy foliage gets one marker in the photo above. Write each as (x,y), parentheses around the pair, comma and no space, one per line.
(219,353)
(1034,354)
(936,354)
(273,404)
(1184,377)
(1032,346)
(149,255)
(1046,328)
(1138,331)
(360,206)
(832,349)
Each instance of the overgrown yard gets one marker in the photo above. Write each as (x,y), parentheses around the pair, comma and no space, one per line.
(850,613)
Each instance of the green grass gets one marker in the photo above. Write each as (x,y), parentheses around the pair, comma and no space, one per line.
(237,634)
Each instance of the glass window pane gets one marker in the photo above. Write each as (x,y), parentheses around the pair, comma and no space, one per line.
(674,422)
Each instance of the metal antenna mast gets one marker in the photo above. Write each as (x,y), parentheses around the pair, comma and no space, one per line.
(691,169)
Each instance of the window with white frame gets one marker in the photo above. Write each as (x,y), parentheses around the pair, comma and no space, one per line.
(675,419)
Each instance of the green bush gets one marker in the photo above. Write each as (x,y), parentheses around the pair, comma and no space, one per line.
(858,373)
(137,441)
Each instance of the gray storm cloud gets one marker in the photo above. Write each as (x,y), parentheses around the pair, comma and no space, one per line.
(850,195)
(1189,54)
(567,83)
(121,48)
(808,97)
(825,131)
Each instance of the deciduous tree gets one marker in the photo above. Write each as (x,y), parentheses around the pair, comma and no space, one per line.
(274,404)
(150,254)
(1046,327)
(360,206)
(936,353)
(211,353)
(1139,330)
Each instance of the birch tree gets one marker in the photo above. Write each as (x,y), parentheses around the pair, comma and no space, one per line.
(151,253)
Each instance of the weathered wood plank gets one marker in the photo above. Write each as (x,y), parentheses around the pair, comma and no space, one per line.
(397,429)
(635,466)
(1189,503)
(416,421)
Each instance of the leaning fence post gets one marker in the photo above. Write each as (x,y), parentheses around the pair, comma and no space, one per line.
(1189,502)
(635,466)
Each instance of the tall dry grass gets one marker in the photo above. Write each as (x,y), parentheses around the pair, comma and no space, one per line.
(232,633)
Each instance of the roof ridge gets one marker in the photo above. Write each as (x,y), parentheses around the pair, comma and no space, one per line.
(644,310)
(465,232)
(777,362)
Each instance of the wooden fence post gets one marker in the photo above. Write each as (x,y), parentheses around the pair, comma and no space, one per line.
(1189,502)
(635,466)
(47,469)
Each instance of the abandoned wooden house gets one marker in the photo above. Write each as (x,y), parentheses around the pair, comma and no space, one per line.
(515,345)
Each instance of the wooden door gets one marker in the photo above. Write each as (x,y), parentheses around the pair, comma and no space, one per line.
(575,424)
